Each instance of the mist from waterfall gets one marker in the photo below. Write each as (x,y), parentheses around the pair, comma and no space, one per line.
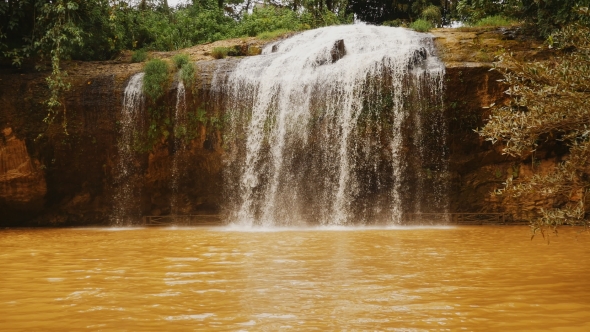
(126,204)
(335,126)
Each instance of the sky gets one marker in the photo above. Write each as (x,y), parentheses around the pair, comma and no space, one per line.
(173,3)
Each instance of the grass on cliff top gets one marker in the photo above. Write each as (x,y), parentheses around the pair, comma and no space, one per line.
(421,25)
(273,34)
(180,60)
(494,21)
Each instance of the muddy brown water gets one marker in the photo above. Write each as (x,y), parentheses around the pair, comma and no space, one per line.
(223,279)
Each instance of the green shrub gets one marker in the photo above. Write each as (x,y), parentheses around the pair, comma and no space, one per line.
(433,15)
(421,25)
(156,76)
(220,52)
(139,56)
(494,21)
(254,50)
(266,19)
(180,60)
(187,74)
(273,34)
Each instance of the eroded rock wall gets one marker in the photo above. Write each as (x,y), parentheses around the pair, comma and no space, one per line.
(52,178)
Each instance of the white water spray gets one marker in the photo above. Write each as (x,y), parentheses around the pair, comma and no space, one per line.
(328,127)
(126,203)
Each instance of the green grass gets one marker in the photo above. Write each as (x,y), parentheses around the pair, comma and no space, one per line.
(421,25)
(273,34)
(156,76)
(139,56)
(494,21)
(180,60)
(220,52)
(187,74)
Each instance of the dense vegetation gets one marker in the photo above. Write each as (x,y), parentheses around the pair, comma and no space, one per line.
(101,29)
(549,105)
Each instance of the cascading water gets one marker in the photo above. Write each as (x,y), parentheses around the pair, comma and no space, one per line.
(126,204)
(180,125)
(336,125)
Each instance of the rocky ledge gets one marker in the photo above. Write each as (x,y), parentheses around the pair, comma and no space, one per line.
(50,178)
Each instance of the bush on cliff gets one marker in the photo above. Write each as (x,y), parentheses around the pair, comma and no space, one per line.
(187,74)
(549,103)
(155,79)
(421,25)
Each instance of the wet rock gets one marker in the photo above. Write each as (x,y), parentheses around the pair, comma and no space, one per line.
(338,50)
(22,182)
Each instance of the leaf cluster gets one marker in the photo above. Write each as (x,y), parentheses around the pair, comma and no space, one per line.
(549,102)
(155,79)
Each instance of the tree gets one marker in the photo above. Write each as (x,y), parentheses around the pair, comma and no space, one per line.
(549,103)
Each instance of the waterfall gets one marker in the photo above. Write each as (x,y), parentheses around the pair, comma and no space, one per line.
(180,126)
(335,126)
(127,206)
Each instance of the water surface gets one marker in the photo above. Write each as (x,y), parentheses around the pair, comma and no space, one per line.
(436,279)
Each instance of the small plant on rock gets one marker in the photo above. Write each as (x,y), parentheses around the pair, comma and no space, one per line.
(180,60)
(156,76)
(139,56)
(220,52)
(421,25)
(187,74)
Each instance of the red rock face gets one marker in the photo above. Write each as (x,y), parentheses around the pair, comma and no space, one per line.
(22,181)
(60,179)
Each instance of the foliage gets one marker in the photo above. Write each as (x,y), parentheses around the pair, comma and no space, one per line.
(433,15)
(220,52)
(139,56)
(155,79)
(187,74)
(549,102)
(545,16)
(494,21)
(268,19)
(421,25)
(273,34)
(180,60)
(394,23)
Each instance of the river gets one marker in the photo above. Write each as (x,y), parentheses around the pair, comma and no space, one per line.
(322,279)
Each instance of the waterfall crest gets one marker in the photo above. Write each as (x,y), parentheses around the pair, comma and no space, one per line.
(335,126)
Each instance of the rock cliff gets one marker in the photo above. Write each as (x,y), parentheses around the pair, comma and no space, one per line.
(50,178)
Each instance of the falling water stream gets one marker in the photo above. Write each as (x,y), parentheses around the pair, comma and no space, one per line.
(335,126)
(126,203)
(180,124)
